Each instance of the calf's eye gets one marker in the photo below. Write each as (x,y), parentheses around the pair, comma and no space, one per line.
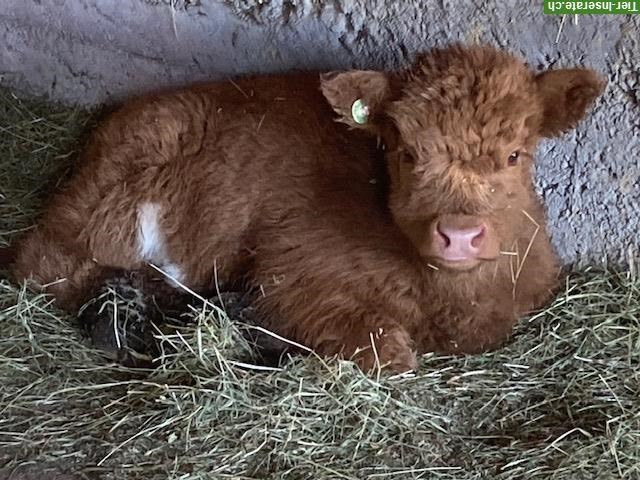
(513,158)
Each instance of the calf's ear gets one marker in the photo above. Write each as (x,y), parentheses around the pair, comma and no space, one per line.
(566,96)
(357,96)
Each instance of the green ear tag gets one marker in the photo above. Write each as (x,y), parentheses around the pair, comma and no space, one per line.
(360,112)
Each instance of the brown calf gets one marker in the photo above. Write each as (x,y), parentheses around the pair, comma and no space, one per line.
(256,180)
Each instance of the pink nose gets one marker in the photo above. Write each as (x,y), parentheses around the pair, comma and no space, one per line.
(459,244)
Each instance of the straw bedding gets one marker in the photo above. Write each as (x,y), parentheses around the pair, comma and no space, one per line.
(561,400)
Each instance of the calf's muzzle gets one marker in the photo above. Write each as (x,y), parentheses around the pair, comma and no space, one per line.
(461,241)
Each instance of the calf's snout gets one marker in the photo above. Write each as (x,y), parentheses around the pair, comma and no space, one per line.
(459,243)
(461,240)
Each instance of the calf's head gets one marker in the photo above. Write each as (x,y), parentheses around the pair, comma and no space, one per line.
(460,127)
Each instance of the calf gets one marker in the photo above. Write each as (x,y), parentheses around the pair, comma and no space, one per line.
(256,181)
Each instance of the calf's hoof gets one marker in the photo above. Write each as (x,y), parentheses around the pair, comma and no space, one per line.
(118,321)
(126,312)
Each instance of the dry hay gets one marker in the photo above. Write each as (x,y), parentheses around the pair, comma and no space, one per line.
(560,401)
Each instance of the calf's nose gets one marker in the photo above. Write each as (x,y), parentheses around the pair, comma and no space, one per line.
(457,244)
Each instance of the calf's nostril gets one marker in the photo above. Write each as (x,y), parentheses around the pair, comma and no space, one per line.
(478,238)
(443,236)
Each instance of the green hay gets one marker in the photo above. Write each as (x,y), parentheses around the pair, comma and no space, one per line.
(560,401)
(36,147)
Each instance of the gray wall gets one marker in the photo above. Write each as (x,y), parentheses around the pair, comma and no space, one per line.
(93,51)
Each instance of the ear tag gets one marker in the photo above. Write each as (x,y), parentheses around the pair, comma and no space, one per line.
(360,112)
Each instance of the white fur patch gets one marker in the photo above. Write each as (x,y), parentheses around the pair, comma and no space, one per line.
(152,245)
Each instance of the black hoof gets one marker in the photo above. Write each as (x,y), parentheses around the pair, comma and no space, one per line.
(121,320)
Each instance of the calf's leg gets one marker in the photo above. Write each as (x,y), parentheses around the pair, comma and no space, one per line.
(337,294)
(370,341)
(70,250)
(51,266)
(342,327)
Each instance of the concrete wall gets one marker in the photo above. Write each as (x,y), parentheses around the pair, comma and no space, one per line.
(93,51)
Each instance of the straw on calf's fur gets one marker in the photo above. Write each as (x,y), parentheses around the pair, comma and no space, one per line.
(256,180)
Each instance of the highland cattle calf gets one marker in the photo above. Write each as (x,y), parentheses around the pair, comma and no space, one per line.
(257,181)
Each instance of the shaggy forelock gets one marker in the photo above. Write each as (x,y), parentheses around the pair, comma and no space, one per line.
(460,113)
(466,103)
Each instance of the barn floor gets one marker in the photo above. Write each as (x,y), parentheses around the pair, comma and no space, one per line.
(560,401)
